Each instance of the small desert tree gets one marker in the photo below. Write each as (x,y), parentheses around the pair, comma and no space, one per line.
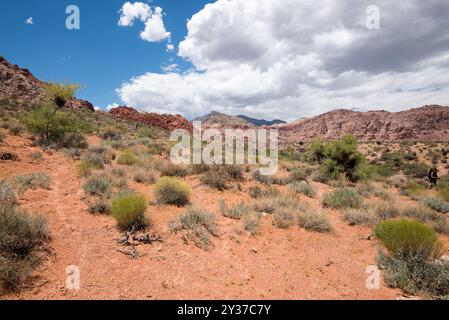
(49,122)
(339,157)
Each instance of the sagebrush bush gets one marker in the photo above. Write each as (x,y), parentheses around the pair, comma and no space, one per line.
(198,224)
(315,221)
(234,171)
(170,190)
(237,212)
(283,219)
(363,216)
(127,158)
(406,238)
(257,192)
(111,134)
(33,181)
(16,128)
(436,220)
(73,140)
(214,179)
(251,223)
(98,185)
(99,206)
(170,169)
(436,204)
(129,211)
(21,234)
(416,275)
(7,194)
(144,176)
(342,198)
(298,174)
(304,188)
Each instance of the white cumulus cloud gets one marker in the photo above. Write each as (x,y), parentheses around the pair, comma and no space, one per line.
(152,18)
(293,58)
(29,20)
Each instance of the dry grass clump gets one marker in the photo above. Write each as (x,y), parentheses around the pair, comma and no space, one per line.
(99,185)
(8,195)
(21,236)
(173,170)
(197,226)
(303,187)
(315,221)
(435,204)
(342,198)
(33,181)
(283,219)
(144,176)
(214,179)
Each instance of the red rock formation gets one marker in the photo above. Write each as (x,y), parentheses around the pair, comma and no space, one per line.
(426,123)
(165,121)
(21,84)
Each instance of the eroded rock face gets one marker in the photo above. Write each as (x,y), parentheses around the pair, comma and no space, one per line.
(165,121)
(425,123)
(20,84)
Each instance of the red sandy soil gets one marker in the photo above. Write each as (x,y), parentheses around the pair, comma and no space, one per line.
(277,264)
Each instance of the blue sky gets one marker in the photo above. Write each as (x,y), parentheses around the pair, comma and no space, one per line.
(263,58)
(101,55)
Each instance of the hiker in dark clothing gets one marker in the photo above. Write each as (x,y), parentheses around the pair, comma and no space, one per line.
(433,177)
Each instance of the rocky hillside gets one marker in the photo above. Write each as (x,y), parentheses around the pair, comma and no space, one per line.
(261,122)
(220,120)
(20,84)
(165,121)
(425,123)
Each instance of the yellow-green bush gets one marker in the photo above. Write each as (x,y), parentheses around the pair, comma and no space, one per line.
(127,158)
(129,210)
(409,238)
(170,190)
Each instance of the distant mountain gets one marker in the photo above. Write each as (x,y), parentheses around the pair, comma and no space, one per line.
(220,120)
(261,122)
(425,123)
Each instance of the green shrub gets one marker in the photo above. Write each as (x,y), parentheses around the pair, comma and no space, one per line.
(342,198)
(49,123)
(129,211)
(127,158)
(198,226)
(340,157)
(214,179)
(170,190)
(146,132)
(316,221)
(436,204)
(98,185)
(85,168)
(304,188)
(283,219)
(73,140)
(409,238)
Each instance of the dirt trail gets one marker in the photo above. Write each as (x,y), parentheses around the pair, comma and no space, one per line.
(277,264)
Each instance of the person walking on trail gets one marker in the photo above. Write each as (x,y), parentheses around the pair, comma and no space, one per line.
(433,177)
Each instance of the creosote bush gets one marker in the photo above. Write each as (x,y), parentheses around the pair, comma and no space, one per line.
(409,238)
(342,198)
(129,211)
(170,190)
(127,158)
